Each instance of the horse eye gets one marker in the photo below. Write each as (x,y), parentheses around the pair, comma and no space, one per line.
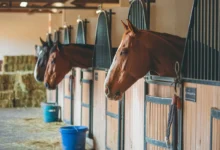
(124,52)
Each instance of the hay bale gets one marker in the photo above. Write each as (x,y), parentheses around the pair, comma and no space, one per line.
(6,104)
(22,89)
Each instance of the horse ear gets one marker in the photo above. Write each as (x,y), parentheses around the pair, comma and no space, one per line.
(132,27)
(125,26)
(42,42)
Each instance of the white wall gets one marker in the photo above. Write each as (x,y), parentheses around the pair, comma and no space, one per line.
(19,32)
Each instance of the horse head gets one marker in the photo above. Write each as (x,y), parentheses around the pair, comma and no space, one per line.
(129,64)
(57,67)
(42,54)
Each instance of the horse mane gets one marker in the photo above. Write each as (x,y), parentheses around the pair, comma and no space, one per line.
(88,46)
(174,40)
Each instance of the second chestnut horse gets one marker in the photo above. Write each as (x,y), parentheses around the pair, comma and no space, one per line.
(63,58)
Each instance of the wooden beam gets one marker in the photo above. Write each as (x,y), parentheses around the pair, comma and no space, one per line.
(24,11)
(40,1)
(94,1)
(47,7)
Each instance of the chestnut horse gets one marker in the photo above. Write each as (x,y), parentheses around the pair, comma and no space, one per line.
(141,51)
(42,58)
(63,58)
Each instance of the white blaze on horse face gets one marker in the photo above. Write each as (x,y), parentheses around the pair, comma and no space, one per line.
(111,67)
(35,72)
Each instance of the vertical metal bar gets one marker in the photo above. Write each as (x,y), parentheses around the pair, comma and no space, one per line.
(203,44)
(123,123)
(180,120)
(213,47)
(192,43)
(81,72)
(145,107)
(217,39)
(195,49)
(119,123)
(148,15)
(91,91)
(211,124)
(72,100)
(206,41)
(199,56)
(216,42)
(187,49)
(209,42)
(57,90)
(136,14)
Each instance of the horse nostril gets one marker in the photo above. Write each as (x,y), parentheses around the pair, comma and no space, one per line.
(118,93)
(107,91)
(46,85)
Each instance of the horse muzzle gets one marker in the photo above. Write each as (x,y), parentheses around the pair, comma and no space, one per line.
(115,96)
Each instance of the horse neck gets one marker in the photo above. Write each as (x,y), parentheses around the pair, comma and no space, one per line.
(78,55)
(166,53)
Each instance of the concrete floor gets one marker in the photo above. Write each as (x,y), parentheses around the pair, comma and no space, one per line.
(23,129)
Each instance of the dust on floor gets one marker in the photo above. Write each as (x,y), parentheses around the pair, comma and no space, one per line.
(24,129)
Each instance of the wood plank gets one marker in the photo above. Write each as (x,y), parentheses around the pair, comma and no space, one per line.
(112,133)
(85,93)
(88,75)
(134,116)
(85,116)
(99,115)
(113,106)
(77,96)
(67,104)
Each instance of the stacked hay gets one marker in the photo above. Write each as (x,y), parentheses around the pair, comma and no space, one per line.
(7,83)
(18,87)
(28,92)
(18,63)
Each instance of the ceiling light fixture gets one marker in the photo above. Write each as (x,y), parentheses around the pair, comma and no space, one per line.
(23,4)
(58,4)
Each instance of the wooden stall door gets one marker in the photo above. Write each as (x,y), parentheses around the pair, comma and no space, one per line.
(86,103)
(107,117)
(215,129)
(157,104)
(99,110)
(77,96)
(67,102)
(114,116)
(134,117)
(200,118)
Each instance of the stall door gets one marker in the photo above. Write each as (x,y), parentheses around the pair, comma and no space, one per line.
(86,104)
(68,101)
(157,106)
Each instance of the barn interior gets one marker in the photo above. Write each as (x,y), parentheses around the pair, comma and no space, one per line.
(58,68)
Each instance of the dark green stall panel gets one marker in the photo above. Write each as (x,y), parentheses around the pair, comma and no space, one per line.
(103,48)
(81,34)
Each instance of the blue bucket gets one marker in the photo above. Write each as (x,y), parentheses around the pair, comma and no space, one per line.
(73,137)
(50,112)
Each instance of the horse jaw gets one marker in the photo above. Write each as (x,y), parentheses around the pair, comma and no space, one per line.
(115,89)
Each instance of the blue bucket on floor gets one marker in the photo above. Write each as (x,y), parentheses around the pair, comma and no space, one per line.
(50,112)
(73,137)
